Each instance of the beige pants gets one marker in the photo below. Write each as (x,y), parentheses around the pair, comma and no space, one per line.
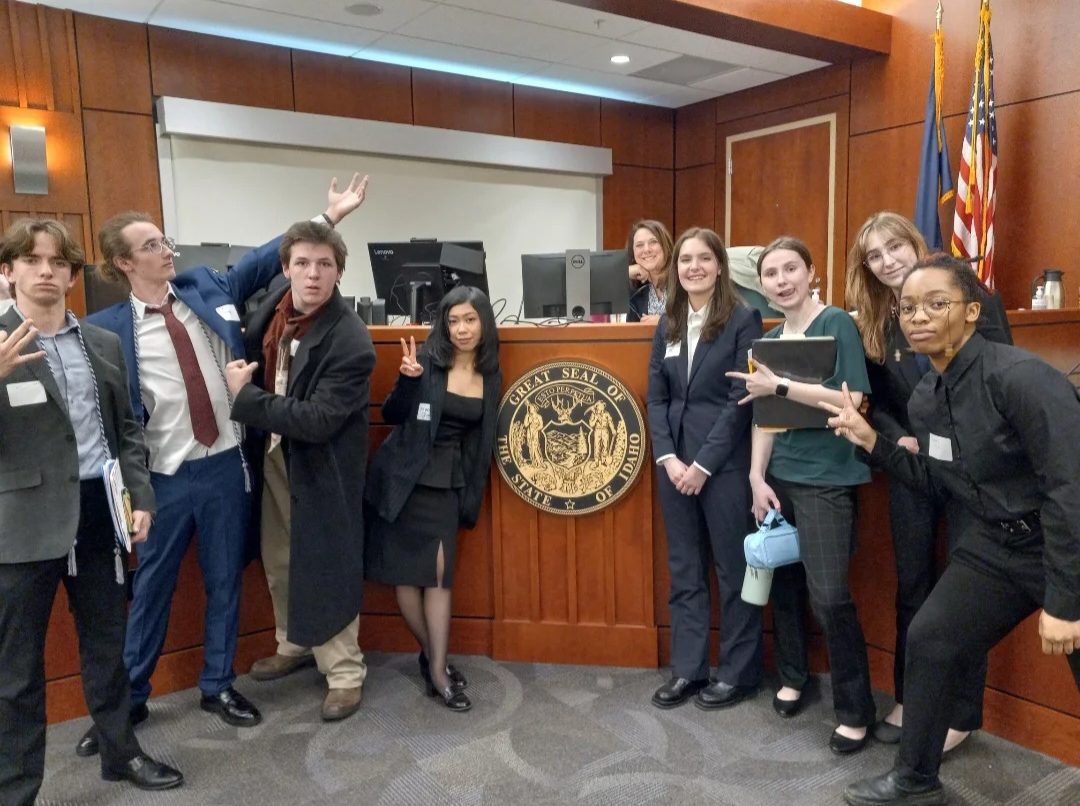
(340,658)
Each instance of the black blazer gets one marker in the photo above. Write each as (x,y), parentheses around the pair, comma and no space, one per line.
(406,452)
(323,422)
(699,419)
(893,381)
(639,303)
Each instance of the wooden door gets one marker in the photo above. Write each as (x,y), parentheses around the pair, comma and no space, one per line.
(781,181)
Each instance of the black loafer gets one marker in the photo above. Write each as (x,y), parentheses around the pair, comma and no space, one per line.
(887,732)
(676,691)
(722,695)
(843,746)
(454,700)
(145,773)
(458,681)
(88,744)
(787,708)
(891,790)
(233,707)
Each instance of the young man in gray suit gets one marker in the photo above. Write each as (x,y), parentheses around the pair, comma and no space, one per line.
(64,411)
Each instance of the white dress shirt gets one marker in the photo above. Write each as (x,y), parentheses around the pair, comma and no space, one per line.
(694,322)
(168,430)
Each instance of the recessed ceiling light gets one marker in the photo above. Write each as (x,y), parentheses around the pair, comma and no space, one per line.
(620,58)
(364,9)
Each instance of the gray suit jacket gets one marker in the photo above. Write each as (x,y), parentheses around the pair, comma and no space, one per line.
(39,462)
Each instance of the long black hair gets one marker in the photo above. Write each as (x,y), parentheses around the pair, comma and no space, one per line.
(441,348)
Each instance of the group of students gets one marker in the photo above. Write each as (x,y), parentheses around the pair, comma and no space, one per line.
(968,426)
(165,382)
(247,436)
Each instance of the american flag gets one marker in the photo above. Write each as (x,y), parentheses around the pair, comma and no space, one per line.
(973,224)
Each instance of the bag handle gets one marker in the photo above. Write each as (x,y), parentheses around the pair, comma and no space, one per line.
(773,519)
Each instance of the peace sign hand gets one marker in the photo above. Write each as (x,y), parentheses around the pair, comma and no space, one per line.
(849,424)
(410,367)
(11,347)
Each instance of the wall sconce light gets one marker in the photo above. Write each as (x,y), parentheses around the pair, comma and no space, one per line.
(28,160)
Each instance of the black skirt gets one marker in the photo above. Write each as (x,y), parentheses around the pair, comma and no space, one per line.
(405,552)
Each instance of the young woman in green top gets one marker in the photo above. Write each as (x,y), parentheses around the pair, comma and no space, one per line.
(811,478)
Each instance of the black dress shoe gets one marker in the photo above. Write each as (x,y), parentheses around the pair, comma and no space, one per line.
(787,708)
(458,681)
(676,691)
(722,695)
(145,773)
(454,700)
(843,746)
(233,707)
(88,744)
(891,790)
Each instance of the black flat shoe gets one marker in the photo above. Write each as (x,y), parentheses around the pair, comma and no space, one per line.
(676,691)
(843,746)
(787,708)
(458,681)
(233,707)
(88,744)
(144,773)
(891,790)
(454,700)
(722,695)
(887,732)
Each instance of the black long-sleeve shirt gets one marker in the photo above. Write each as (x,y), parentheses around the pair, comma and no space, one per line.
(999,431)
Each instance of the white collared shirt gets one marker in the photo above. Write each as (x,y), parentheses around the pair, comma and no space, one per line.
(694,323)
(168,430)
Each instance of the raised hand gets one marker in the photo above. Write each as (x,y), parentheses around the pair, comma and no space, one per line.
(340,204)
(762,382)
(410,367)
(238,374)
(11,347)
(846,422)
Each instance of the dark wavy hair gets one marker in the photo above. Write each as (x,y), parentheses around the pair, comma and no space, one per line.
(724,297)
(441,348)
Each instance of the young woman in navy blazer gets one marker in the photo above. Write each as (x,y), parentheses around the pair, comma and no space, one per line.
(428,477)
(701,440)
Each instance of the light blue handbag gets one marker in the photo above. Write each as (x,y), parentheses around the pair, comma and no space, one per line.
(775,543)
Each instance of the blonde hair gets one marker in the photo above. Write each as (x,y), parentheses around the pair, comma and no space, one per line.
(865,293)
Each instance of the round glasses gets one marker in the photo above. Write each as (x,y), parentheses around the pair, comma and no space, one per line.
(876,259)
(159,245)
(934,307)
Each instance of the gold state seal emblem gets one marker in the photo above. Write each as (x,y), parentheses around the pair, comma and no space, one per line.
(571,437)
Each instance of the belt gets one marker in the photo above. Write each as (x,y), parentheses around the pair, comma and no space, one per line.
(1022,526)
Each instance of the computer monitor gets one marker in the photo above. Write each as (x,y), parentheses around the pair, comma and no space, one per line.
(214,255)
(412,276)
(575,284)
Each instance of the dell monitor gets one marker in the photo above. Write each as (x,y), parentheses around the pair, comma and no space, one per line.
(214,255)
(413,276)
(575,284)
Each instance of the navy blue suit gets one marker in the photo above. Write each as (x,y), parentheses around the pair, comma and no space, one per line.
(695,416)
(207,495)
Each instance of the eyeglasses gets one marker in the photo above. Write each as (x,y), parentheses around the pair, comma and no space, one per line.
(875,259)
(159,245)
(934,307)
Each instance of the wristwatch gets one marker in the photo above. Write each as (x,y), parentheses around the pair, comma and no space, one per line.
(782,387)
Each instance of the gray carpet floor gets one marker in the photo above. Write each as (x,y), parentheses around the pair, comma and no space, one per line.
(537,734)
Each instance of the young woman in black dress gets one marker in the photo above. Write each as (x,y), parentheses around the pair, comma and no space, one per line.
(428,477)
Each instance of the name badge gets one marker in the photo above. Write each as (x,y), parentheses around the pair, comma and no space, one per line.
(940,448)
(423,412)
(228,313)
(673,350)
(26,393)
(294,345)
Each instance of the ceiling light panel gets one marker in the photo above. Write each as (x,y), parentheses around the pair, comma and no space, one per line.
(395,13)
(555,14)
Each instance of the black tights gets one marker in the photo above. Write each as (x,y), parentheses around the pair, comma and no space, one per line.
(427,613)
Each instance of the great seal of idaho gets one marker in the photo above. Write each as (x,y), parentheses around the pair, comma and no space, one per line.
(571,437)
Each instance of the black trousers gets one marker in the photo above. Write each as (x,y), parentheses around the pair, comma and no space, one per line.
(913,518)
(99,606)
(993,582)
(825,517)
(715,521)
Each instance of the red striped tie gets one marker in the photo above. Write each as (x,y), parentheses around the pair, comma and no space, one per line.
(203,423)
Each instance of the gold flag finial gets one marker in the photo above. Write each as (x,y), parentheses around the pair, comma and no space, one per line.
(939,14)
